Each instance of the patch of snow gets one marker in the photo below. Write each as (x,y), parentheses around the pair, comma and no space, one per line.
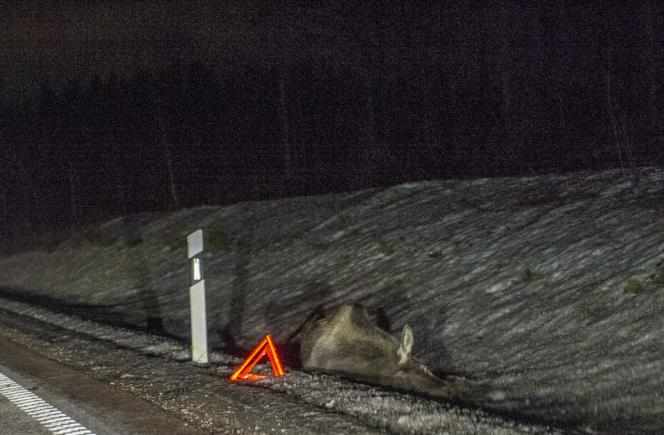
(457,252)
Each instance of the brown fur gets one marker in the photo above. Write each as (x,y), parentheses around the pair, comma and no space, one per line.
(347,343)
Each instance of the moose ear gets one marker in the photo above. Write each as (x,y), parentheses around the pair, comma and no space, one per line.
(406,345)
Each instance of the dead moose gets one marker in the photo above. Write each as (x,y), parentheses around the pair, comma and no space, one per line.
(349,344)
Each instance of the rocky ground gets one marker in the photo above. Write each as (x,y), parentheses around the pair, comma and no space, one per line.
(160,371)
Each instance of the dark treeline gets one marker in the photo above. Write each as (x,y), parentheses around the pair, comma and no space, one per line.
(398,92)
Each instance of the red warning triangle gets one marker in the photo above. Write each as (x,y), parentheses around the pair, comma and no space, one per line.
(264,348)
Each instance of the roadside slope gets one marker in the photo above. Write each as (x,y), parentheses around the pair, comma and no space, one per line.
(549,288)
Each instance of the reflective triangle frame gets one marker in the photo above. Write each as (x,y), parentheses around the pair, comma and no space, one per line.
(265,348)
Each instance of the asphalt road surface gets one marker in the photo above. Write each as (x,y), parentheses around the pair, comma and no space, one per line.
(37,394)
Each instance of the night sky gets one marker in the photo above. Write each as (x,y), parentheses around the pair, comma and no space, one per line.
(109,108)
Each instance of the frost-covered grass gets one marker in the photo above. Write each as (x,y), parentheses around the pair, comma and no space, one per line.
(548,288)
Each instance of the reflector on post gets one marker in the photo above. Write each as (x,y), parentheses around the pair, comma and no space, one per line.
(265,348)
(196,269)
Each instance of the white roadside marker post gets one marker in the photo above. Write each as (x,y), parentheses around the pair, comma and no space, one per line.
(199,347)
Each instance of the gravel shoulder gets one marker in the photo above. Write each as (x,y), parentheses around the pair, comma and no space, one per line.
(94,405)
(194,394)
(157,370)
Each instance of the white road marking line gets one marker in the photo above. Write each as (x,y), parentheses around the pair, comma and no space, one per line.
(58,426)
(36,404)
(30,401)
(61,426)
(79,432)
(56,421)
(63,432)
(36,407)
(64,427)
(11,392)
(9,388)
(51,418)
(45,413)
(22,396)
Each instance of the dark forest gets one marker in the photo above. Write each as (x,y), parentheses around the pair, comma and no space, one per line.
(328,98)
